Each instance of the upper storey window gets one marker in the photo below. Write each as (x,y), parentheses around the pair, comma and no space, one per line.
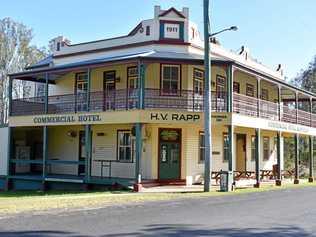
(82,82)
(170,79)
(171,30)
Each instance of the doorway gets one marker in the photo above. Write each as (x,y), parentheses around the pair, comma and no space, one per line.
(169,160)
(241,157)
(109,89)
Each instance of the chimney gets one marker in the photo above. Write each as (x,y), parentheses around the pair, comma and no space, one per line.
(157,11)
(185,12)
(58,43)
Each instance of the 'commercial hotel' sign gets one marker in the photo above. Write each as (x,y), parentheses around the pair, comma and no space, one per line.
(67,119)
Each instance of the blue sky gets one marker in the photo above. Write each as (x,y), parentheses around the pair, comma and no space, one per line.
(276,31)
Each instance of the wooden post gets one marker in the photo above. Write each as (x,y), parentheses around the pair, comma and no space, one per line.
(88,150)
(297,175)
(139,141)
(279,101)
(258,157)
(45,134)
(9,152)
(278,180)
(296,106)
(311,159)
(258,96)
(141,85)
(231,148)
(207,100)
(230,83)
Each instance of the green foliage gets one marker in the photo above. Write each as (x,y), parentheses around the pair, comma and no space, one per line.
(16,53)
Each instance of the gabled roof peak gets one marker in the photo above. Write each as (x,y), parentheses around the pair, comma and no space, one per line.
(164,13)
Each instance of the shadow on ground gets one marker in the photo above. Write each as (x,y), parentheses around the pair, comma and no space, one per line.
(177,230)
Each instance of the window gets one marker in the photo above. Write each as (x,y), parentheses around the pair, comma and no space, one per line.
(266,148)
(264,94)
(220,86)
(201,147)
(109,80)
(81,91)
(147,30)
(170,82)
(124,146)
(40,90)
(225,147)
(198,78)
(253,148)
(81,82)
(250,90)
(132,77)
(236,87)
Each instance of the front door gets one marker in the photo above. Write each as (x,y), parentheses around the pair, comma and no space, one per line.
(169,154)
(241,152)
(82,152)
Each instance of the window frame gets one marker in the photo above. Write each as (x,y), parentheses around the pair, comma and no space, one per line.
(225,160)
(200,80)
(132,76)
(118,146)
(253,148)
(179,82)
(201,148)
(250,90)
(266,92)
(266,148)
(236,85)
(77,82)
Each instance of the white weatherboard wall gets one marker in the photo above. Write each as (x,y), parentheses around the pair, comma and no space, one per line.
(4,150)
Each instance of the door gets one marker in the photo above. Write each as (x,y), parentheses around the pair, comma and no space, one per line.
(220,93)
(241,164)
(198,87)
(109,87)
(82,152)
(81,91)
(169,154)
(132,85)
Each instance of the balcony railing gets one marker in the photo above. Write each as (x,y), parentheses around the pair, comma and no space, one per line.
(125,99)
(188,100)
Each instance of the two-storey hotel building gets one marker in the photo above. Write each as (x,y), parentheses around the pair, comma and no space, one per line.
(129,111)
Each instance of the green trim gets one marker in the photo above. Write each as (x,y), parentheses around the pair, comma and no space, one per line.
(279,176)
(65,162)
(161,30)
(17,161)
(181,24)
(231,147)
(138,152)
(88,149)
(229,74)
(296,158)
(45,149)
(311,157)
(258,154)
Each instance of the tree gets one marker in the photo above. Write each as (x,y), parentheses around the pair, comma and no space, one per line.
(306,79)
(16,53)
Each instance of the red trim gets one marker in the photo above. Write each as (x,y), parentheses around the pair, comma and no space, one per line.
(180,158)
(172,9)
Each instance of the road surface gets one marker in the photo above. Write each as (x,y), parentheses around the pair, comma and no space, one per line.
(269,214)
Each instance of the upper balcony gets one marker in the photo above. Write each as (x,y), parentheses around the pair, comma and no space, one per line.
(185,100)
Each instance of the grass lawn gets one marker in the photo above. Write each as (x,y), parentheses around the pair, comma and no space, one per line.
(36,201)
